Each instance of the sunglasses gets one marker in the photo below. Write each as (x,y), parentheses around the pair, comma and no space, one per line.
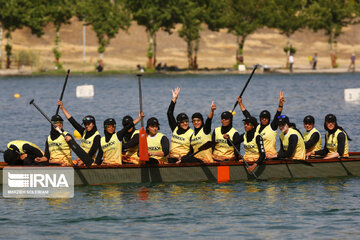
(114,125)
(281,117)
(89,119)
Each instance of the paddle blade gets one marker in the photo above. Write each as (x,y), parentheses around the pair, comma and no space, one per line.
(80,153)
(143,147)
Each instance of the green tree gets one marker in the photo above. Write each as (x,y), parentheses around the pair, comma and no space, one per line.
(153,15)
(16,14)
(106,17)
(288,16)
(59,12)
(331,16)
(191,14)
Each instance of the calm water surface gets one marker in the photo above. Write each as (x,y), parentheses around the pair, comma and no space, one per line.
(291,209)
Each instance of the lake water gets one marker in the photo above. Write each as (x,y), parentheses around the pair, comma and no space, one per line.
(286,209)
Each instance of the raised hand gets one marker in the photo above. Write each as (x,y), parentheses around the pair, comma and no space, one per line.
(281,98)
(213,106)
(175,93)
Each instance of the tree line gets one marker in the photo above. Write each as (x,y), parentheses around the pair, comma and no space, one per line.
(239,17)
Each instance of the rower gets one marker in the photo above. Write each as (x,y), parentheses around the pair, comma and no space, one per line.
(181,132)
(90,137)
(267,130)
(201,135)
(131,138)
(224,151)
(336,140)
(57,151)
(158,143)
(21,152)
(111,144)
(253,144)
(292,144)
(312,136)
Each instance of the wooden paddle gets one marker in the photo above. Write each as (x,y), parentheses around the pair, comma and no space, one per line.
(72,143)
(143,147)
(242,92)
(207,145)
(63,90)
(245,162)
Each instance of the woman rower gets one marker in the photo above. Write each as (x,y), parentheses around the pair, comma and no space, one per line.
(20,152)
(111,144)
(292,144)
(253,144)
(90,137)
(312,136)
(158,143)
(201,135)
(181,132)
(131,139)
(336,140)
(267,130)
(224,150)
(57,150)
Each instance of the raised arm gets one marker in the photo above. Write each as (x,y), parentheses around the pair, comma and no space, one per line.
(274,123)
(207,125)
(73,122)
(242,108)
(170,112)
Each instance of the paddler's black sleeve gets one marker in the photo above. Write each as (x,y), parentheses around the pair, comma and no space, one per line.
(165,145)
(246,113)
(170,115)
(312,141)
(76,125)
(99,156)
(293,140)
(341,143)
(132,143)
(260,144)
(207,126)
(323,151)
(47,152)
(236,141)
(95,146)
(120,134)
(274,123)
(30,150)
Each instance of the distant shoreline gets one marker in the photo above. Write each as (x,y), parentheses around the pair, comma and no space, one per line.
(16,72)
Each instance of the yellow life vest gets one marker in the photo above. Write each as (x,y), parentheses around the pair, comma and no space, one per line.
(180,144)
(112,150)
(131,153)
(252,153)
(269,138)
(60,151)
(307,136)
(197,141)
(86,144)
(222,150)
(20,143)
(154,145)
(299,152)
(332,143)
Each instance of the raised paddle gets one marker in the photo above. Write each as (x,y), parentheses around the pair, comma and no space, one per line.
(143,147)
(242,92)
(72,144)
(63,90)
(245,162)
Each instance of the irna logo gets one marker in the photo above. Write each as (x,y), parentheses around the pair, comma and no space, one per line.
(24,180)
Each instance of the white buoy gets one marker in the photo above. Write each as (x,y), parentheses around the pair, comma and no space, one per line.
(85,91)
(352,94)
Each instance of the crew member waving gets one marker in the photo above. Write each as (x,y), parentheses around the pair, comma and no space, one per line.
(181,132)
(90,137)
